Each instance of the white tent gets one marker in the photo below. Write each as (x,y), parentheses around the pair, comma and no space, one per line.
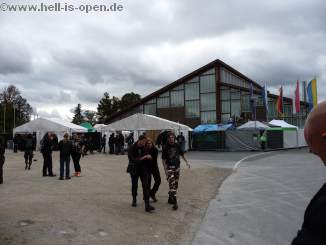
(98,127)
(41,126)
(139,123)
(282,124)
(252,125)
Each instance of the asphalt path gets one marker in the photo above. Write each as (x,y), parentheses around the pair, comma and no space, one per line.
(263,201)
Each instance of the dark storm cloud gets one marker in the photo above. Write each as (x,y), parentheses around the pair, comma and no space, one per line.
(65,59)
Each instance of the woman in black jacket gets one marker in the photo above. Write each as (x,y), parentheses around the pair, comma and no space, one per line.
(153,169)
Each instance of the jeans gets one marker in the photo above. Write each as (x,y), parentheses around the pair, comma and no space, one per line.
(64,163)
(76,158)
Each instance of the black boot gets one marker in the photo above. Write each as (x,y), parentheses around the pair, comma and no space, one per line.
(149,208)
(134,202)
(26,166)
(175,203)
(170,200)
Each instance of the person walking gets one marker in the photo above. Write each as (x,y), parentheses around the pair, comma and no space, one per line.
(182,141)
(103,143)
(130,140)
(2,158)
(263,140)
(153,169)
(111,143)
(312,231)
(76,153)
(65,148)
(46,149)
(171,161)
(28,154)
(137,169)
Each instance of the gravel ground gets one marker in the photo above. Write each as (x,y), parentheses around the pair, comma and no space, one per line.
(96,208)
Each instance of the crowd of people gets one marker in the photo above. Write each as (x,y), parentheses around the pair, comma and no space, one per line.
(142,155)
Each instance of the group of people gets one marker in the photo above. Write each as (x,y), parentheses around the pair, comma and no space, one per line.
(69,147)
(117,143)
(143,165)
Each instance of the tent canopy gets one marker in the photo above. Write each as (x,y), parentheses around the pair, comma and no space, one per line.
(49,125)
(253,125)
(282,124)
(212,127)
(144,122)
(88,126)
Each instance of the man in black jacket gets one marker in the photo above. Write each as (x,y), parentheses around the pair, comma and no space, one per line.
(65,148)
(313,231)
(138,157)
(46,149)
(171,161)
(28,155)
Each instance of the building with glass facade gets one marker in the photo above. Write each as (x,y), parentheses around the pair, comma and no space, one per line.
(215,93)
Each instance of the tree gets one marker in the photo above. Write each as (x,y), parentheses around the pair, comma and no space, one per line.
(107,107)
(129,99)
(78,117)
(90,116)
(14,109)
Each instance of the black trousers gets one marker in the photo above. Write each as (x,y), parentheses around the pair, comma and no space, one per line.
(141,174)
(103,148)
(76,159)
(111,146)
(28,157)
(2,162)
(47,164)
(155,172)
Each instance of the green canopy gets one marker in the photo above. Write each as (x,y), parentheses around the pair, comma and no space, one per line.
(88,126)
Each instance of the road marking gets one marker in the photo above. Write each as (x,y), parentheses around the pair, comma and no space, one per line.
(246,158)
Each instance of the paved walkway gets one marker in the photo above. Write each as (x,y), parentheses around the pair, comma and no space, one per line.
(263,202)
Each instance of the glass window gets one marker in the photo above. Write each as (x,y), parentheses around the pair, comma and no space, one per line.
(177,98)
(194,80)
(235,94)
(225,106)
(150,109)
(180,87)
(225,94)
(192,108)
(207,84)
(152,101)
(235,108)
(225,118)
(192,91)
(211,71)
(163,102)
(245,103)
(208,102)
(208,117)
(166,94)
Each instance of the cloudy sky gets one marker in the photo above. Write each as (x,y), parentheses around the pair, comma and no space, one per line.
(60,59)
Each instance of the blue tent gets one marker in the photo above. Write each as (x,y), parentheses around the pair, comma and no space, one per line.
(212,127)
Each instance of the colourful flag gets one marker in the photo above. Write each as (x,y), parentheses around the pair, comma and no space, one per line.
(265,97)
(312,93)
(279,103)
